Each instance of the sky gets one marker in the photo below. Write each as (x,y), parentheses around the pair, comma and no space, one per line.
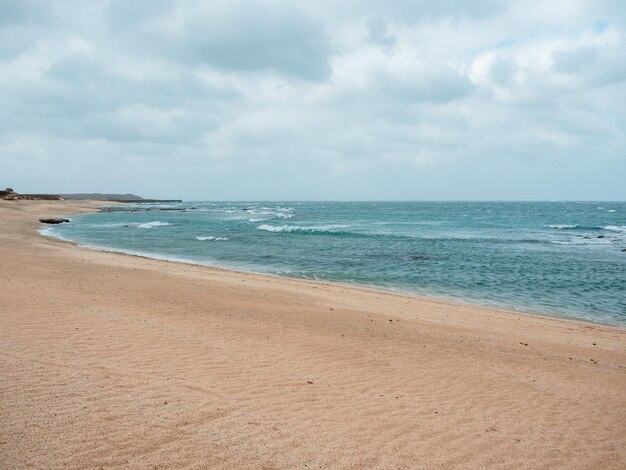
(295,100)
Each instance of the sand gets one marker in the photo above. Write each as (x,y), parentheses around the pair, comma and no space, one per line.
(108,360)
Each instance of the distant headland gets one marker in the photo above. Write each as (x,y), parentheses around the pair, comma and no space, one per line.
(11,195)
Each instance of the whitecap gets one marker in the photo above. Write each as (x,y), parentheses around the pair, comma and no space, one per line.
(272,214)
(211,238)
(612,210)
(273,228)
(563,226)
(155,223)
(615,228)
(297,228)
(591,241)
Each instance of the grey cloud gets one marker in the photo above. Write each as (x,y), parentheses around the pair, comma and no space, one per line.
(122,16)
(432,83)
(261,38)
(80,97)
(411,11)
(502,70)
(574,61)
(253,36)
(378,33)
(594,65)
(15,12)
(611,67)
(13,41)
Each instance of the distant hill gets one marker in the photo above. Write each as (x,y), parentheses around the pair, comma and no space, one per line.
(128,197)
(10,194)
(103,197)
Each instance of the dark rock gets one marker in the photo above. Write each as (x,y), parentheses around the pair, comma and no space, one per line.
(600,236)
(53,220)
(623,249)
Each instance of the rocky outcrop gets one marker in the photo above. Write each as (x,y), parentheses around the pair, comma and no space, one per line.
(53,220)
(10,195)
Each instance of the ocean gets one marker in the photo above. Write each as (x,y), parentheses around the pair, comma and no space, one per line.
(564,259)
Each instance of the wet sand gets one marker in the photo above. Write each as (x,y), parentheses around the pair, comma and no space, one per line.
(108,360)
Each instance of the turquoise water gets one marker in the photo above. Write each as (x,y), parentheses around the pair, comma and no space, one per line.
(555,258)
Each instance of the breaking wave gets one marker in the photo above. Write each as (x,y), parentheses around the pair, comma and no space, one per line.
(155,223)
(298,228)
(563,226)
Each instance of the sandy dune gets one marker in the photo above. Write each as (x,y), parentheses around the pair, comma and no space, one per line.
(109,360)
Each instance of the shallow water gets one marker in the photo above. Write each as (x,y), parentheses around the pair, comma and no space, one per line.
(559,258)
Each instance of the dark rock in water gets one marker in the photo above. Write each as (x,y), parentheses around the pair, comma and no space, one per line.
(586,237)
(600,236)
(419,257)
(53,220)
(624,249)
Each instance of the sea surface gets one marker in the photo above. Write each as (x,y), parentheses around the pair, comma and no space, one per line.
(556,258)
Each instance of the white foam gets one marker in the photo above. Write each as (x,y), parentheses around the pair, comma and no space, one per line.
(578,241)
(612,210)
(211,238)
(298,228)
(562,226)
(273,228)
(615,228)
(49,232)
(155,223)
(272,214)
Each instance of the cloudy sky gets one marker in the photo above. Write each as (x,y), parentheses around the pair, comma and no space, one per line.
(404,99)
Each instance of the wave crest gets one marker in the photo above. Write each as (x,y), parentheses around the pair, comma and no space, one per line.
(155,223)
(563,226)
(298,228)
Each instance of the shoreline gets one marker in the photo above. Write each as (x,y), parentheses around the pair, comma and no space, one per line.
(129,362)
(449,301)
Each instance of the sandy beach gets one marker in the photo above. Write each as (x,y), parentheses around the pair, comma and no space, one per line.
(114,361)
